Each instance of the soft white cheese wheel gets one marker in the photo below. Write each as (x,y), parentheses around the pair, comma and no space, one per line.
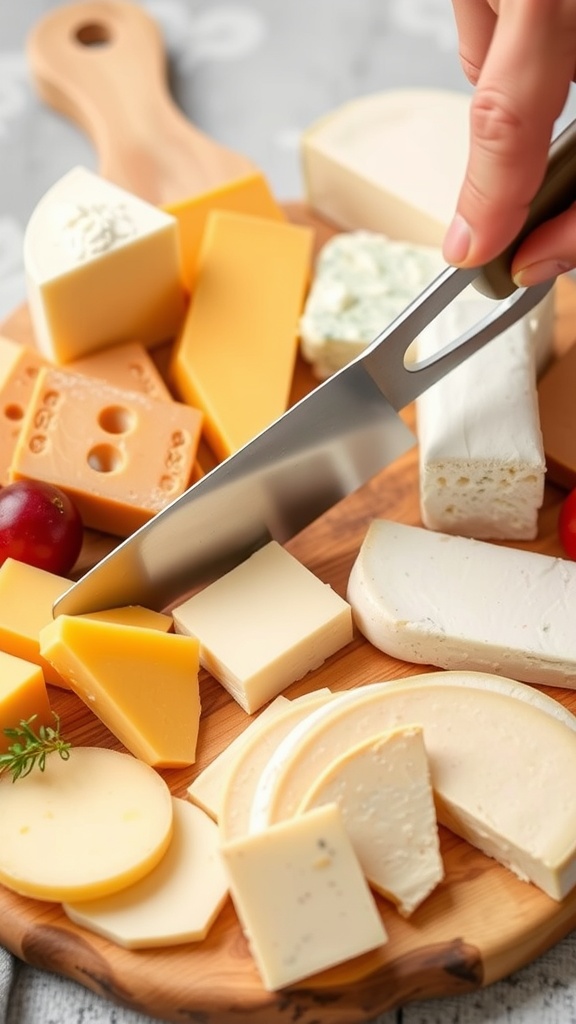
(83,827)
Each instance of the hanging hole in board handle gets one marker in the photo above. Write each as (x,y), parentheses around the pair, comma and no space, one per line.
(94,33)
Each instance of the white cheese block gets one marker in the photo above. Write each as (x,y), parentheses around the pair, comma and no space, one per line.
(454,602)
(301,897)
(264,625)
(482,463)
(502,759)
(383,789)
(176,902)
(391,162)
(102,267)
(84,827)
(243,777)
(362,281)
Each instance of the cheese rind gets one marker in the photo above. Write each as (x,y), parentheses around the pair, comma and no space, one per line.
(176,902)
(485,737)
(301,897)
(264,625)
(455,602)
(102,267)
(83,827)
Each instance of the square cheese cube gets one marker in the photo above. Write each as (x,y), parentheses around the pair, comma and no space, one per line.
(27,595)
(264,625)
(301,897)
(120,455)
(22,696)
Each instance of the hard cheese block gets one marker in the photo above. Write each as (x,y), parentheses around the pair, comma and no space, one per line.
(485,737)
(102,267)
(391,162)
(120,455)
(264,625)
(23,697)
(19,368)
(234,357)
(127,366)
(141,683)
(437,599)
(301,897)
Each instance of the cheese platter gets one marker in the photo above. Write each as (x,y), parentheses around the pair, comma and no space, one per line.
(480,923)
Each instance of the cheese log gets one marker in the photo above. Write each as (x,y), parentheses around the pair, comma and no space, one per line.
(558,419)
(23,696)
(481,454)
(383,789)
(127,366)
(242,781)
(436,599)
(102,267)
(83,827)
(141,683)
(362,281)
(264,625)
(176,902)
(120,455)
(19,368)
(485,737)
(390,162)
(235,354)
(301,897)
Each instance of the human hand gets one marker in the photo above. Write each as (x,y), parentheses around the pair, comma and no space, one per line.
(521,57)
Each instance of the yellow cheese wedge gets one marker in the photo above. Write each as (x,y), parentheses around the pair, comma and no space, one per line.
(264,625)
(141,683)
(383,789)
(502,759)
(250,195)
(234,357)
(83,827)
(176,902)
(301,897)
(133,615)
(22,696)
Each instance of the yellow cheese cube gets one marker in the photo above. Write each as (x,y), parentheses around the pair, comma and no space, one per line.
(141,683)
(22,695)
(235,354)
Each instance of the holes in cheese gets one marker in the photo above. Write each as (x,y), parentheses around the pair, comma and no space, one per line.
(83,827)
(141,683)
(450,601)
(175,902)
(499,753)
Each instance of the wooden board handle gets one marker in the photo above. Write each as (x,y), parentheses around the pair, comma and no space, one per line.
(102,63)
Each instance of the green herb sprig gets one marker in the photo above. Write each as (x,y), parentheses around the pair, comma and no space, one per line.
(30,749)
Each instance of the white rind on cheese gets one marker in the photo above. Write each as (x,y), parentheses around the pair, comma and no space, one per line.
(391,162)
(362,281)
(454,602)
(481,453)
(502,759)
(384,791)
(176,902)
(301,897)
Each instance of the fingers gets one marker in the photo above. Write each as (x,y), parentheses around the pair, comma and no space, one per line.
(548,251)
(522,88)
(475,22)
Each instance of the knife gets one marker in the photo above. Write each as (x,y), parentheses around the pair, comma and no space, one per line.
(324,447)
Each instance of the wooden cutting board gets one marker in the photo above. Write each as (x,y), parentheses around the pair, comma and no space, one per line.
(479,925)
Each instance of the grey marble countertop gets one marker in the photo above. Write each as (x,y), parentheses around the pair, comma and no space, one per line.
(253,74)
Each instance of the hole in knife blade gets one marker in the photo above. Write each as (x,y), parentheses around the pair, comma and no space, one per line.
(94,33)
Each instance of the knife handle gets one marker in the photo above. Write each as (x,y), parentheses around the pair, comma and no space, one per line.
(556,193)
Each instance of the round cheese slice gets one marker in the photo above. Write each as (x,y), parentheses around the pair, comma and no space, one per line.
(502,761)
(83,827)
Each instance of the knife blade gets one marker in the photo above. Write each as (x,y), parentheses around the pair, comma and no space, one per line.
(322,449)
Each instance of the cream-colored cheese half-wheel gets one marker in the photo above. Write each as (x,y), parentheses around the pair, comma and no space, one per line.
(83,827)
(502,760)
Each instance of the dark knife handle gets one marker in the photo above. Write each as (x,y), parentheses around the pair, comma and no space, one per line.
(556,194)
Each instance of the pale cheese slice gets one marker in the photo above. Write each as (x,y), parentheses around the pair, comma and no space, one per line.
(459,603)
(502,758)
(301,896)
(176,902)
(83,827)
(383,789)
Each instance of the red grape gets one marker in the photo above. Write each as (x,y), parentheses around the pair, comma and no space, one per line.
(40,525)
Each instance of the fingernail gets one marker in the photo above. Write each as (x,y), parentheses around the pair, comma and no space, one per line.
(457,241)
(536,273)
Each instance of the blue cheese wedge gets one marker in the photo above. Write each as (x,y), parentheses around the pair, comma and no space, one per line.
(362,281)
